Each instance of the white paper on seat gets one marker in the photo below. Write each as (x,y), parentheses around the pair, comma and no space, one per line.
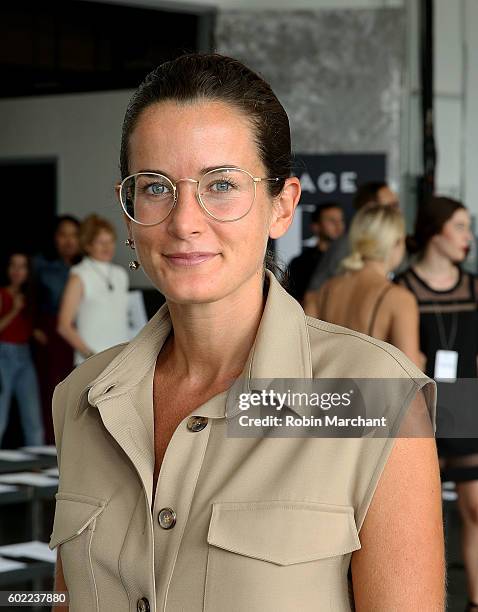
(54,472)
(14,455)
(32,550)
(7,565)
(29,478)
(40,450)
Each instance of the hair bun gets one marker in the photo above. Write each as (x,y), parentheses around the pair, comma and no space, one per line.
(354,261)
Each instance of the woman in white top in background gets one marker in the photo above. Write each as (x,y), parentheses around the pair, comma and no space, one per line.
(94,309)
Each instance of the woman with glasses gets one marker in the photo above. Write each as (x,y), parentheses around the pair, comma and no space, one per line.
(94,309)
(160,506)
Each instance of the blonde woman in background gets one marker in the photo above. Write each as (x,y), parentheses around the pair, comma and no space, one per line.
(94,310)
(362,297)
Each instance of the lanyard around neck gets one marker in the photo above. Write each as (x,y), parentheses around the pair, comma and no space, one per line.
(447,343)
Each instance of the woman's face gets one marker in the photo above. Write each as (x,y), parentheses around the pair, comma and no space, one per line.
(103,246)
(454,239)
(182,141)
(17,270)
(66,240)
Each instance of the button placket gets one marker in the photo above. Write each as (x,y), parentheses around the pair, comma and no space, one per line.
(167,516)
(176,484)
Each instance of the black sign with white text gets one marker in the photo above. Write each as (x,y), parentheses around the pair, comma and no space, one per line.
(335,177)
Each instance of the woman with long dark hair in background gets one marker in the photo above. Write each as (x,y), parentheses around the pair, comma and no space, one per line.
(17,372)
(447,299)
(54,357)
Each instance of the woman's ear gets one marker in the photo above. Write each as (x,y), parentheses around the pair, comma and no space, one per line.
(117,192)
(127,220)
(284,207)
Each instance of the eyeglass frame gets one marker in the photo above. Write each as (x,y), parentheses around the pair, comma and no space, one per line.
(255,180)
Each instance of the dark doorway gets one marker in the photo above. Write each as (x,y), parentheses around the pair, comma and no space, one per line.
(28,205)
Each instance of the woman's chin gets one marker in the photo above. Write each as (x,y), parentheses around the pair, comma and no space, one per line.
(459,258)
(189,296)
(193,290)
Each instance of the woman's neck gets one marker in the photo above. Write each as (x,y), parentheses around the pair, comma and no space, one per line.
(378,267)
(437,268)
(99,261)
(211,342)
(13,288)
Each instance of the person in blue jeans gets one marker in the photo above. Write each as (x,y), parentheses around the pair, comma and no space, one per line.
(17,373)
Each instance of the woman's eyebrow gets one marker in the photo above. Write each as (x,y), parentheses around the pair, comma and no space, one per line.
(209,168)
(202,171)
(153,170)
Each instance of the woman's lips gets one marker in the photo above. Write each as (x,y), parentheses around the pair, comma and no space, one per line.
(189,259)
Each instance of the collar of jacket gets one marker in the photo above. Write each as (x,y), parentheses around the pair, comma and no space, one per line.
(281,350)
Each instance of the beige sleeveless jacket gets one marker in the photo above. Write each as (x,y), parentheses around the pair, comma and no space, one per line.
(239,524)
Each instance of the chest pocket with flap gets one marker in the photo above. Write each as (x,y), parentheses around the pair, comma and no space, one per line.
(279,556)
(73,528)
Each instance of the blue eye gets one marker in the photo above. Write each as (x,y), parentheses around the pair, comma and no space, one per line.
(157,189)
(221,186)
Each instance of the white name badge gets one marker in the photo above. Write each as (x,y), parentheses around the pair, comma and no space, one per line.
(446,363)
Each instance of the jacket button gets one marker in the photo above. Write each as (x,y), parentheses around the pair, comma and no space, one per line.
(167,518)
(196,423)
(142,605)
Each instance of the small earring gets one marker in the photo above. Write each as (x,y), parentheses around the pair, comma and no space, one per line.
(129,242)
(134,265)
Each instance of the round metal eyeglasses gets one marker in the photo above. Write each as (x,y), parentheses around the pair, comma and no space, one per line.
(224,194)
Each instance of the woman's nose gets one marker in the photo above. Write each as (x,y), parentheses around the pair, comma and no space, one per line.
(187,216)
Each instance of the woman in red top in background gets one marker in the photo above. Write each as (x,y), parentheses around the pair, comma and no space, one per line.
(17,373)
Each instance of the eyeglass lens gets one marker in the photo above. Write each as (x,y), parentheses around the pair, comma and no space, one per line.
(227,194)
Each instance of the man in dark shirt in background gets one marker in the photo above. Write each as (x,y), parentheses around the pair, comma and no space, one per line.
(327,224)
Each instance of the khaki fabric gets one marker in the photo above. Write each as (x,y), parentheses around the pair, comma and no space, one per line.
(262,524)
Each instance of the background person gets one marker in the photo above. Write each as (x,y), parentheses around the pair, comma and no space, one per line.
(94,309)
(54,358)
(448,302)
(17,373)
(327,224)
(362,298)
(373,191)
